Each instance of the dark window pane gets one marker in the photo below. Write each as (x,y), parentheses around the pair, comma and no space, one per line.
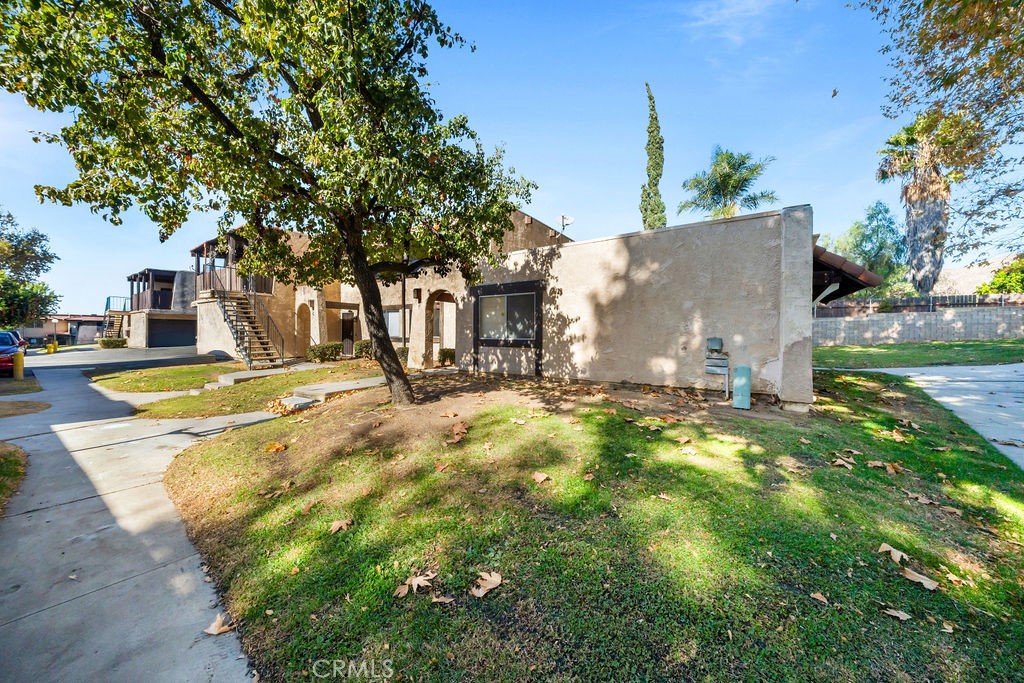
(521,314)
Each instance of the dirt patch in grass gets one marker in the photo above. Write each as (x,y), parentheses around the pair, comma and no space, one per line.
(11,387)
(16,408)
(669,538)
(12,470)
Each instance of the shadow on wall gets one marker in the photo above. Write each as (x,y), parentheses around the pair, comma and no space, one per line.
(639,308)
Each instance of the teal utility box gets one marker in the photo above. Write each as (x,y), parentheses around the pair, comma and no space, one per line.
(741,387)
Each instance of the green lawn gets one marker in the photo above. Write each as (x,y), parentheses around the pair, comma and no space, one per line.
(652,550)
(255,394)
(921,354)
(10,387)
(12,469)
(175,378)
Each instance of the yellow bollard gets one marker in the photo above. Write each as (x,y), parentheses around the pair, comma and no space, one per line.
(19,365)
(49,348)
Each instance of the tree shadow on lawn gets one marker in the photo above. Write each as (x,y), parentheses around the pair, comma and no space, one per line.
(667,564)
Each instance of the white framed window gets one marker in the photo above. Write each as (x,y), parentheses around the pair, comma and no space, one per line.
(508,316)
(393,320)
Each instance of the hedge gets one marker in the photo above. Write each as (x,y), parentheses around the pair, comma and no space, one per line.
(319,353)
(446,357)
(113,342)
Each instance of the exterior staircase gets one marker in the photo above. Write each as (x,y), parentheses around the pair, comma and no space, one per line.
(252,329)
(113,320)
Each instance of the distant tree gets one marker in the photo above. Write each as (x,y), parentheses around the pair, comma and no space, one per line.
(727,185)
(924,157)
(24,256)
(877,243)
(966,56)
(24,302)
(1007,280)
(280,115)
(652,208)
(24,253)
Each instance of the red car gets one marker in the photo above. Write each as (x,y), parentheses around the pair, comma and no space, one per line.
(8,347)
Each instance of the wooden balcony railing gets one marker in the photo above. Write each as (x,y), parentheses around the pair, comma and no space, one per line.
(152,298)
(228,278)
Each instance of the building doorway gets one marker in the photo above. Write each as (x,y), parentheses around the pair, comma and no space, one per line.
(302,331)
(348,332)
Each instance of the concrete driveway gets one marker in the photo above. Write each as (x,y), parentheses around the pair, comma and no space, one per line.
(93,356)
(98,580)
(990,398)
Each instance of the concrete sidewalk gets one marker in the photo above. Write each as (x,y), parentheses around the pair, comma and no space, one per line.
(98,580)
(990,398)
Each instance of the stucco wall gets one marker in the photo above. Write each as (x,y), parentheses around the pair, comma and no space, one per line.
(639,308)
(212,333)
(951,324)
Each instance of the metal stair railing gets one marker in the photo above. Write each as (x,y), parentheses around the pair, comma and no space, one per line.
(264,320)
(238,332)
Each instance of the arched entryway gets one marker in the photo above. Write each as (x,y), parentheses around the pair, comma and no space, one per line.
(438,322)
(302,329)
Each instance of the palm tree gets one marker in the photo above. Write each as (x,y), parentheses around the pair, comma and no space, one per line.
(920,156)
(727,185)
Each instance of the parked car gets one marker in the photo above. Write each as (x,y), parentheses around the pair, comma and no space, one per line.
(17,335)
(8,347)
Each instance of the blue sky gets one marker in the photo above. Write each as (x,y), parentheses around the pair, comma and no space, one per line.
(560,85)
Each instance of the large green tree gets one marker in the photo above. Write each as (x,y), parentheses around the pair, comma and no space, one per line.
(1007,280)
(727,185)
(298,115)
(652,207)
(24,256)
(877,243)
(967,56)
(926,157)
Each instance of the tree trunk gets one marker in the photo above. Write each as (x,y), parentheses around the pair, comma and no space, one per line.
(373,316)
(927,219)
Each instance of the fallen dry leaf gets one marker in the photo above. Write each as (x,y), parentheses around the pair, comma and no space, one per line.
(902,616)
(683,439)
(820,598)
(840,462)
(487,582)
(540,477)
(440,466)
(896,555)
(517,421)
(421,581)
(449,414)
(219,626)
(588,476)
(401,591)
(276,447)
(875,463)
(340,525)
(443,599)
(308,506)
(664,496)
(947,627)
(804,441)
(919,578)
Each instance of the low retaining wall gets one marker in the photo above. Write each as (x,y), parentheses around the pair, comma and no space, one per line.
(951,324)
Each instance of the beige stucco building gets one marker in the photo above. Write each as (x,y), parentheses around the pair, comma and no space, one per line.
(639,307)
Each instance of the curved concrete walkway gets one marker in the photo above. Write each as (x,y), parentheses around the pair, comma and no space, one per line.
(990,398)
(98,580)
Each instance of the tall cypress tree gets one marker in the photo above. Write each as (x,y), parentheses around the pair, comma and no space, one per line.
(652,208)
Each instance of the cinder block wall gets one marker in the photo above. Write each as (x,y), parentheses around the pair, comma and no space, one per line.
(639,307)
(951,324)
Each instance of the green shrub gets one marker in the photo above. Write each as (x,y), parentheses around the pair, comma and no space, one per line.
(319,353)
(403,354)
(113,342)
(363,349)
(446,357)
(885,306)
(1007,280)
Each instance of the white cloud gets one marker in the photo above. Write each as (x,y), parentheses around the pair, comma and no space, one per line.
(735,21)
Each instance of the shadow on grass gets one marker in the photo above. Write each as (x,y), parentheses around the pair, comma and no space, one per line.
(673,562)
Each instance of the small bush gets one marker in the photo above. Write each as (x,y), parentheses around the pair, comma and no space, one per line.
(320,353)
(403,354)
(446,357)
(885,307)
(113,342)
(363,349)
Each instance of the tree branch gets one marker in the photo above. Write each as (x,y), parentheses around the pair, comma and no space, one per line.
(400,268)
